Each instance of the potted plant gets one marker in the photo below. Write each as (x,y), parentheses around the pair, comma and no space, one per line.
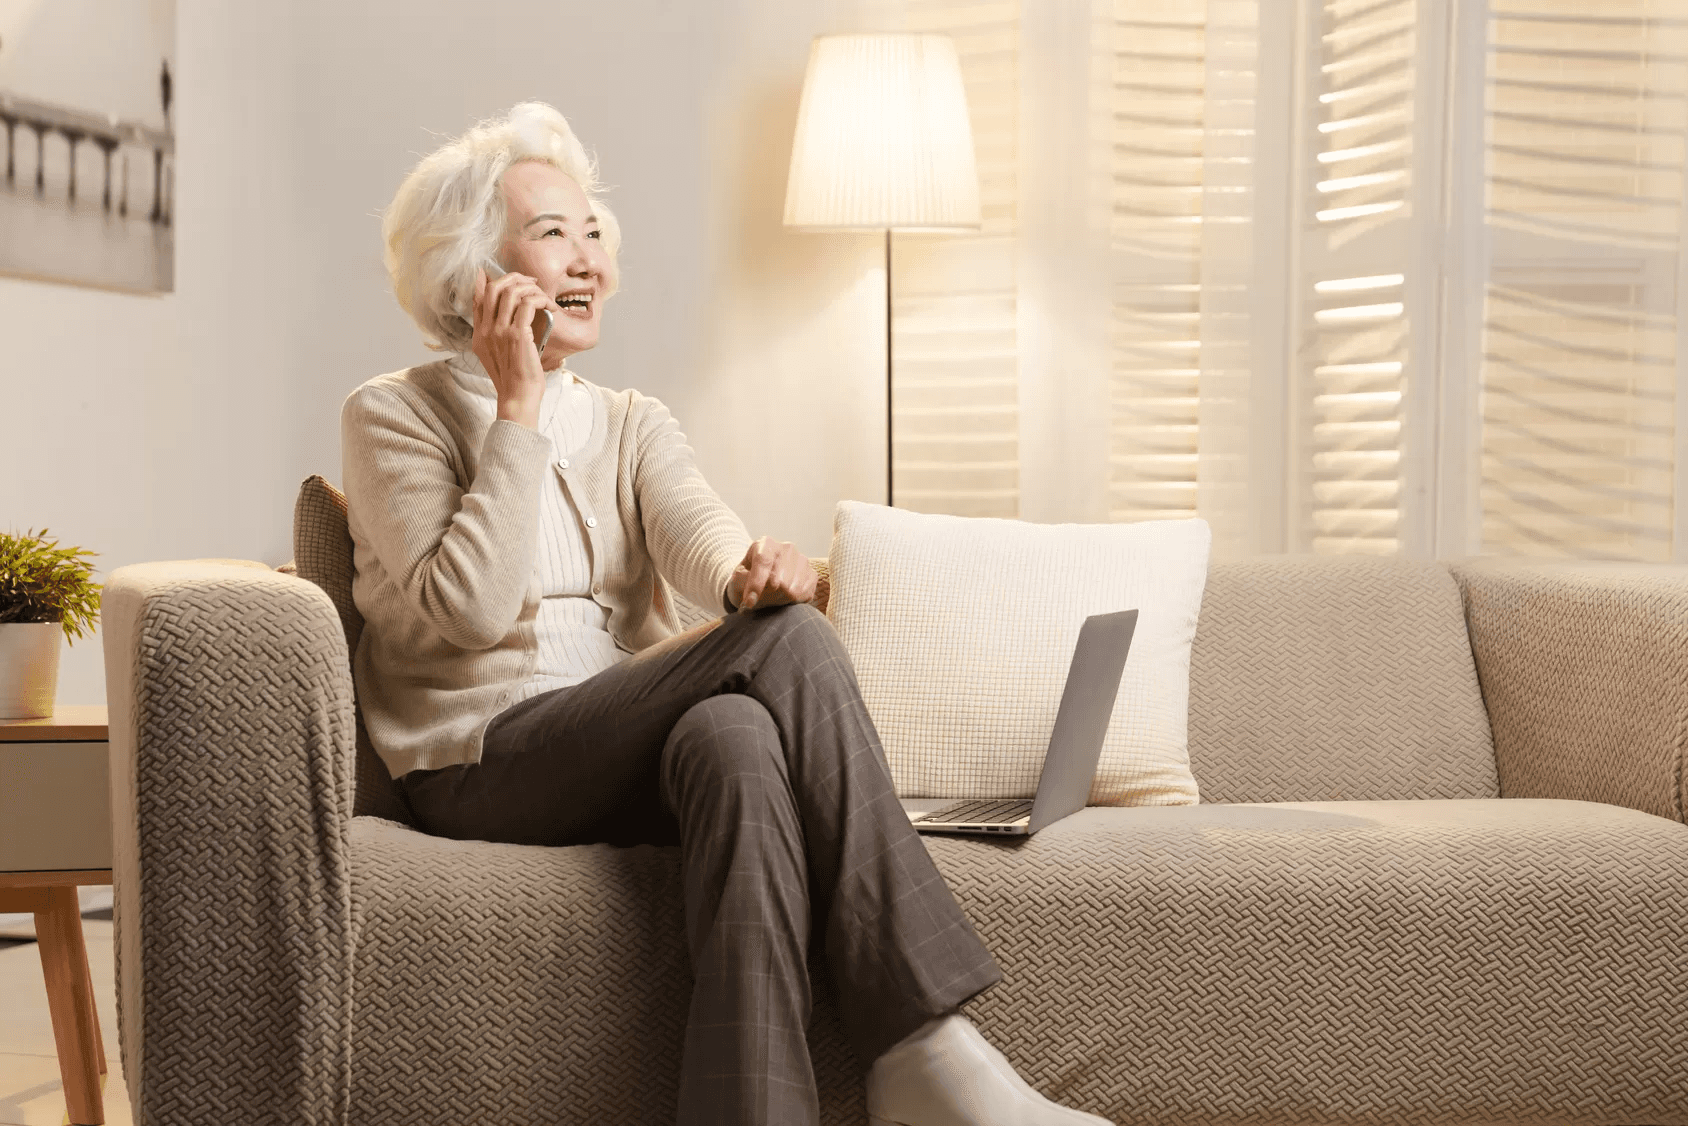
(44,589)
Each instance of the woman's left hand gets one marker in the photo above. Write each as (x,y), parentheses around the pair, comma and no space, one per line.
(772,574)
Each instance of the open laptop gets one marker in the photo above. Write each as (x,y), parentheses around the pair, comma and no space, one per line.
(1075,746)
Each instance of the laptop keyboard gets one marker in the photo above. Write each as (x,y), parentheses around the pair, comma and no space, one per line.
(986,811)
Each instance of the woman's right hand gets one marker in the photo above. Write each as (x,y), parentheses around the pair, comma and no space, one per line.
(503,339)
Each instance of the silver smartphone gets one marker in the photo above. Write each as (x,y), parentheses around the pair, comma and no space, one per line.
(541,336)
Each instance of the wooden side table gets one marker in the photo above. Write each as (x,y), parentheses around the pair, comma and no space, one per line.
(55,834)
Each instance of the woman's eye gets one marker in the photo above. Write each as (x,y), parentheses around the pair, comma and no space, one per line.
(555,231)
(594,234)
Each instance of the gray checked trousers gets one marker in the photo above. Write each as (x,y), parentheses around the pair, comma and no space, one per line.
(746,742)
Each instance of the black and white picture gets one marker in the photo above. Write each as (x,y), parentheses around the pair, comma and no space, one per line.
(86,101)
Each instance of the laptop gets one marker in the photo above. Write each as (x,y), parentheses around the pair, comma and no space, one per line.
(1075,746)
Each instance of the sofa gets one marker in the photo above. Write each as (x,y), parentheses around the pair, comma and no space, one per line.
(1438,874)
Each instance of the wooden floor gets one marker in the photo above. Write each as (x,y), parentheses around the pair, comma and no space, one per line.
(30,1093)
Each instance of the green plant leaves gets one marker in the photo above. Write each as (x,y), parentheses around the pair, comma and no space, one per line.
(43,582)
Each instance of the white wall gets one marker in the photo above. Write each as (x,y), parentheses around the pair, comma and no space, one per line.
(162,427)
(178,427)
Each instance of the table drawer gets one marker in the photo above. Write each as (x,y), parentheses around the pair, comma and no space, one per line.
(55,806)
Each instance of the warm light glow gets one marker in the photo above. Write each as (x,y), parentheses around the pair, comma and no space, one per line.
(1361,312)
(1389,58)
(1344,285)
(1384,367)
(1334,155)
(1364,90)
(883,137)
(1352,398)
(1358,122)
(1332,213)
(1347,182)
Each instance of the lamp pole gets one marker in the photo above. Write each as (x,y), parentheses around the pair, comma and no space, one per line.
(883,142)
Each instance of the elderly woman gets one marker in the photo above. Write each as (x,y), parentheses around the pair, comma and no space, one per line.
(519,534)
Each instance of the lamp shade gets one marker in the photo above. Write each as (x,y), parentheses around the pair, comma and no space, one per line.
(883,137)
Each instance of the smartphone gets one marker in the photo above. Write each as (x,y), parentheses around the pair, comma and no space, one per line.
(541,335)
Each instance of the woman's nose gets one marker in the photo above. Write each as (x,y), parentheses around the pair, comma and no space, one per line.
(582,256)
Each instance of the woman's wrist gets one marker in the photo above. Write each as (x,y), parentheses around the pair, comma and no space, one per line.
(524,412)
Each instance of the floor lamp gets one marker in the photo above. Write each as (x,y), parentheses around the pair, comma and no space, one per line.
(883,143)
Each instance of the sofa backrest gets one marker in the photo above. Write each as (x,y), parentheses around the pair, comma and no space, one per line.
(1311,678)
(322,554)
(1317,678)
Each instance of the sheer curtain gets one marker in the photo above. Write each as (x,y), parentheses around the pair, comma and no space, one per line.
(1382,276)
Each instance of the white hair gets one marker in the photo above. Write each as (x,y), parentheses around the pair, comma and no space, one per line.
(448,215)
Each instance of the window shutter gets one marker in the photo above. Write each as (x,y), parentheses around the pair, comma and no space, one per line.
(1156,159)
(1351,371)
(1588,110)
(955,395)
(1465,369)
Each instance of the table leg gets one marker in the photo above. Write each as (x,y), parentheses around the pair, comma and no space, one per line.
(70,999)
(94,1019)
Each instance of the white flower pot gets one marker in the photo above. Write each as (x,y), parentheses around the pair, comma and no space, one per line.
(29,668)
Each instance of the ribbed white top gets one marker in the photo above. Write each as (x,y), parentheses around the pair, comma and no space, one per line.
(572,628)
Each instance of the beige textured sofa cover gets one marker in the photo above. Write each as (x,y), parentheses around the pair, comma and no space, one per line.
(1419,888)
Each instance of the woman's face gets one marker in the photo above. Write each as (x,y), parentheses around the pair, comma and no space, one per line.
(552,237)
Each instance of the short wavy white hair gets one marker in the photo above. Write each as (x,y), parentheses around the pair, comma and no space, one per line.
(449,215)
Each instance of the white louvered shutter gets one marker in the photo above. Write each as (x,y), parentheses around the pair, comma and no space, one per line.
(1155,164)
(1355,295)
(1480,274)
(1588,110)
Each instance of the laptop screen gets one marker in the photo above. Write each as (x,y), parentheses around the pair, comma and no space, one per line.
(1081,724)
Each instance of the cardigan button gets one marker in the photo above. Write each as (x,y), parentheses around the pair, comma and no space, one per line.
(597,588)
(563,464)
(591,521)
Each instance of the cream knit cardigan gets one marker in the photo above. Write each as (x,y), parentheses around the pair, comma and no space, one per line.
(444,514)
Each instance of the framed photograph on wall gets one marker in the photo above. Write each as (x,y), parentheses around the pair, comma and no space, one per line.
(87,178)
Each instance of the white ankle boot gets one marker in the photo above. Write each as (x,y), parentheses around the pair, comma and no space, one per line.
(946,1074)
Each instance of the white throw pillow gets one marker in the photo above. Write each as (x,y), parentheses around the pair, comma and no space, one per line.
(962,631)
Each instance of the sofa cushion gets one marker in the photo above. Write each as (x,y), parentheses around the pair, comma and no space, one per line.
(322,554)
(962,632)
(1485,961)
(322,549)
(1582,666)
(1328,679)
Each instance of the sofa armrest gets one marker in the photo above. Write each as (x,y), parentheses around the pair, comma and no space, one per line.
(231,728)
(823,588)
(1584,669)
